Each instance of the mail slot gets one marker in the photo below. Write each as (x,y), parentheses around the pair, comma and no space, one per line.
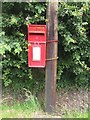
(36,45)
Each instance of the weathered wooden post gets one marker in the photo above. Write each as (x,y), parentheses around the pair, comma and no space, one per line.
(51,64)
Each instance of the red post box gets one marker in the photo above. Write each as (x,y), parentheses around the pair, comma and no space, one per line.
(36,45)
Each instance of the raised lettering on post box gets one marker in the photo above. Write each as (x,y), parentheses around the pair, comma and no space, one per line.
(36,45)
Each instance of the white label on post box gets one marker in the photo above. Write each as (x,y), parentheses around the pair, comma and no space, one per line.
(36,53)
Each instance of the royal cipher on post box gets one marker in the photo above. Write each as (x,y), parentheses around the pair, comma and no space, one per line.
(36,45)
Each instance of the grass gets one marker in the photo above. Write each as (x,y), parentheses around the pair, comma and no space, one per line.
(76,114)
(30,107)
(27,109)
(19,110)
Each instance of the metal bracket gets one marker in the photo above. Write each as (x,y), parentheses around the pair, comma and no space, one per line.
(49,59)
(50,41)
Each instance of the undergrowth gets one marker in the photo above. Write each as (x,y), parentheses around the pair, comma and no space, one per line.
(20,109)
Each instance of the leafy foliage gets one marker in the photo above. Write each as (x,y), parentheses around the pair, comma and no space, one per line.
(74,43)
(16,17)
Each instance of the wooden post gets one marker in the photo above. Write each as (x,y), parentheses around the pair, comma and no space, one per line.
(51,63)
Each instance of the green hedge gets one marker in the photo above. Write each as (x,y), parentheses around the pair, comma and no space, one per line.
(74,43)
(73,48)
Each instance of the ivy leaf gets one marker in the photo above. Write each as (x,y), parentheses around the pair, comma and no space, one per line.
(13,20)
